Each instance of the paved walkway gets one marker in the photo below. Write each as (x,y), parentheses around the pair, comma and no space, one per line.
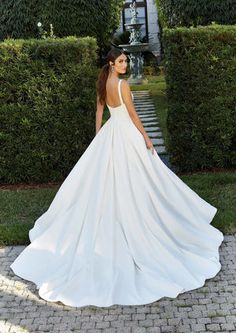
(147,113)
(211,308)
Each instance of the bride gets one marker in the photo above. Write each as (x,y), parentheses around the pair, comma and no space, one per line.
(122,228)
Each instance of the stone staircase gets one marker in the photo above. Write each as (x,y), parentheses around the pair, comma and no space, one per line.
(146,111)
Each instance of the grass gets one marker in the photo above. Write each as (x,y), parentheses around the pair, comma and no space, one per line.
(20,208)
(219,189)
(21,205)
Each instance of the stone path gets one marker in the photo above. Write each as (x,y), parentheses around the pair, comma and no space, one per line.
(211,308)
(147,113)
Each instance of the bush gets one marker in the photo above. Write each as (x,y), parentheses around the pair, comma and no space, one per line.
(47,106)
(98,18)
(175,13)
(201,90)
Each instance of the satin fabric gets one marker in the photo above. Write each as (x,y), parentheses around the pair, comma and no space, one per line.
(122,228)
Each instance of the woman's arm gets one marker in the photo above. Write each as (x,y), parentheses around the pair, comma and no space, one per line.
(99,114)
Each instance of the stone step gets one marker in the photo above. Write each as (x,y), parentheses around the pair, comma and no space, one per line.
(140,92)
(148,116)
(157,133)
(146,108)
(160,149)
(158,141)
(147,119)
(152,129)
(154,134)
(144,104)
(153,123)
(148,125)
(146,113)
(142,98)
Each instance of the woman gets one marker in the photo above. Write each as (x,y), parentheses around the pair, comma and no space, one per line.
(108,82)
(122,228)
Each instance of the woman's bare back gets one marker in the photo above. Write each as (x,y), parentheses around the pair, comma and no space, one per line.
(112,98)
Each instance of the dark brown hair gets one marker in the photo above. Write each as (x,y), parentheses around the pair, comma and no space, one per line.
(103,75)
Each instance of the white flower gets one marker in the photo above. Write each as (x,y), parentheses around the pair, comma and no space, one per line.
(39,24)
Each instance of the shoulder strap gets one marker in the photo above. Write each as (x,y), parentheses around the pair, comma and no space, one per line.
(119,90)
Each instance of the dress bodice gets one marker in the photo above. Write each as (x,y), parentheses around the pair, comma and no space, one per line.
(123,112)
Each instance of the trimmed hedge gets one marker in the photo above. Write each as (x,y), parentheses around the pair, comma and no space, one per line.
(200,68)
(175,13)
(95,18)
(47,106)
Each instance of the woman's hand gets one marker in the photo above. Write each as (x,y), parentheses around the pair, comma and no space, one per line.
(149,144)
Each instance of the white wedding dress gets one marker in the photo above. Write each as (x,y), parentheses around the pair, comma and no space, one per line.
(122,228)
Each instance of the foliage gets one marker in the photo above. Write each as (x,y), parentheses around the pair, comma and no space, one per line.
(100,18)
(121,38)
(173,13)
(200,71)
(47,95)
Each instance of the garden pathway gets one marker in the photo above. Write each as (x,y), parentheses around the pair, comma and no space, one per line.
(146,111)
(211,308)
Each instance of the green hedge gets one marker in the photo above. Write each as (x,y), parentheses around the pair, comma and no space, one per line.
(200,68)
(47,106)
(96,18)
(173,13)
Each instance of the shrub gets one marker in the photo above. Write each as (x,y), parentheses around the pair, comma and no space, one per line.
(47,94)
(201,90)
(173,13)
(81,18)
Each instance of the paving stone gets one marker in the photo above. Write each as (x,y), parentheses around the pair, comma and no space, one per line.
(146,323)
(198,327)
(139,330)
(228,327)
(153,330)
(102,324)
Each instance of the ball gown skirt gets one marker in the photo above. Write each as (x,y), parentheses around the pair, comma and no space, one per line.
(122,228)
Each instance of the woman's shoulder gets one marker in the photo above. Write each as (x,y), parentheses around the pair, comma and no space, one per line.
(124,83)
(126,87)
